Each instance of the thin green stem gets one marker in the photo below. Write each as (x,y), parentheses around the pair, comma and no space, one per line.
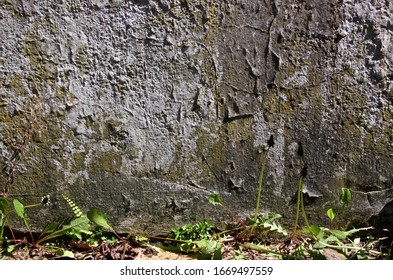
(2,220)
(32,205)
(29,229)
(302,201)
(297,206)
(264,250)
(341,247)
(260,186)
(27,222)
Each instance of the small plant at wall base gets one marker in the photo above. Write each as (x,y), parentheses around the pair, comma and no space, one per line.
(345,199)
(345,242)
(197,238)
(300,197)
(4,214)
(80,226)
(74,229)
(331,215)
(20,210)
(340,241)
(300,201)
(258,224)
(270,144)
(200,230)
(263,224)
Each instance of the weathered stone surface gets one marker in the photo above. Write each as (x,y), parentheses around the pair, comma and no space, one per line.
(143,108)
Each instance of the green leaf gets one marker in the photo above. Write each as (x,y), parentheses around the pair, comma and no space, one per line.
(140,238)
(96,217)
(51,227)
(10,248)
(271,217)
(215,199)
(267,221)
(78,232)
(209,245)
(3,205)
(80,223)
(331,238)
(209,249)
(339,234)
(67,253)
(318,245)
(345,197)
(330,214)
(19,208)
(316,254)
(273,226)
(316,231)
(355,230)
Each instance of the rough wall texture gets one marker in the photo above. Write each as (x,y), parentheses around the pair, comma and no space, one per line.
(143,108)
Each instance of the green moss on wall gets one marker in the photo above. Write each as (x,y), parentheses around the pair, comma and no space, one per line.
(78,162)
(109,161)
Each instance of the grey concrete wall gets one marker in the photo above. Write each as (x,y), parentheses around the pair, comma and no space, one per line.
(143,108)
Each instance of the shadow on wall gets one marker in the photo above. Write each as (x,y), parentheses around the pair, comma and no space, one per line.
(383,222)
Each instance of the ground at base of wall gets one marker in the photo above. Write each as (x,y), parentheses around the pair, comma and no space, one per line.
(232,250)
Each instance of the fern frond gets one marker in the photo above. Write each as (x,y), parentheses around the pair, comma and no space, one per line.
(77,211)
